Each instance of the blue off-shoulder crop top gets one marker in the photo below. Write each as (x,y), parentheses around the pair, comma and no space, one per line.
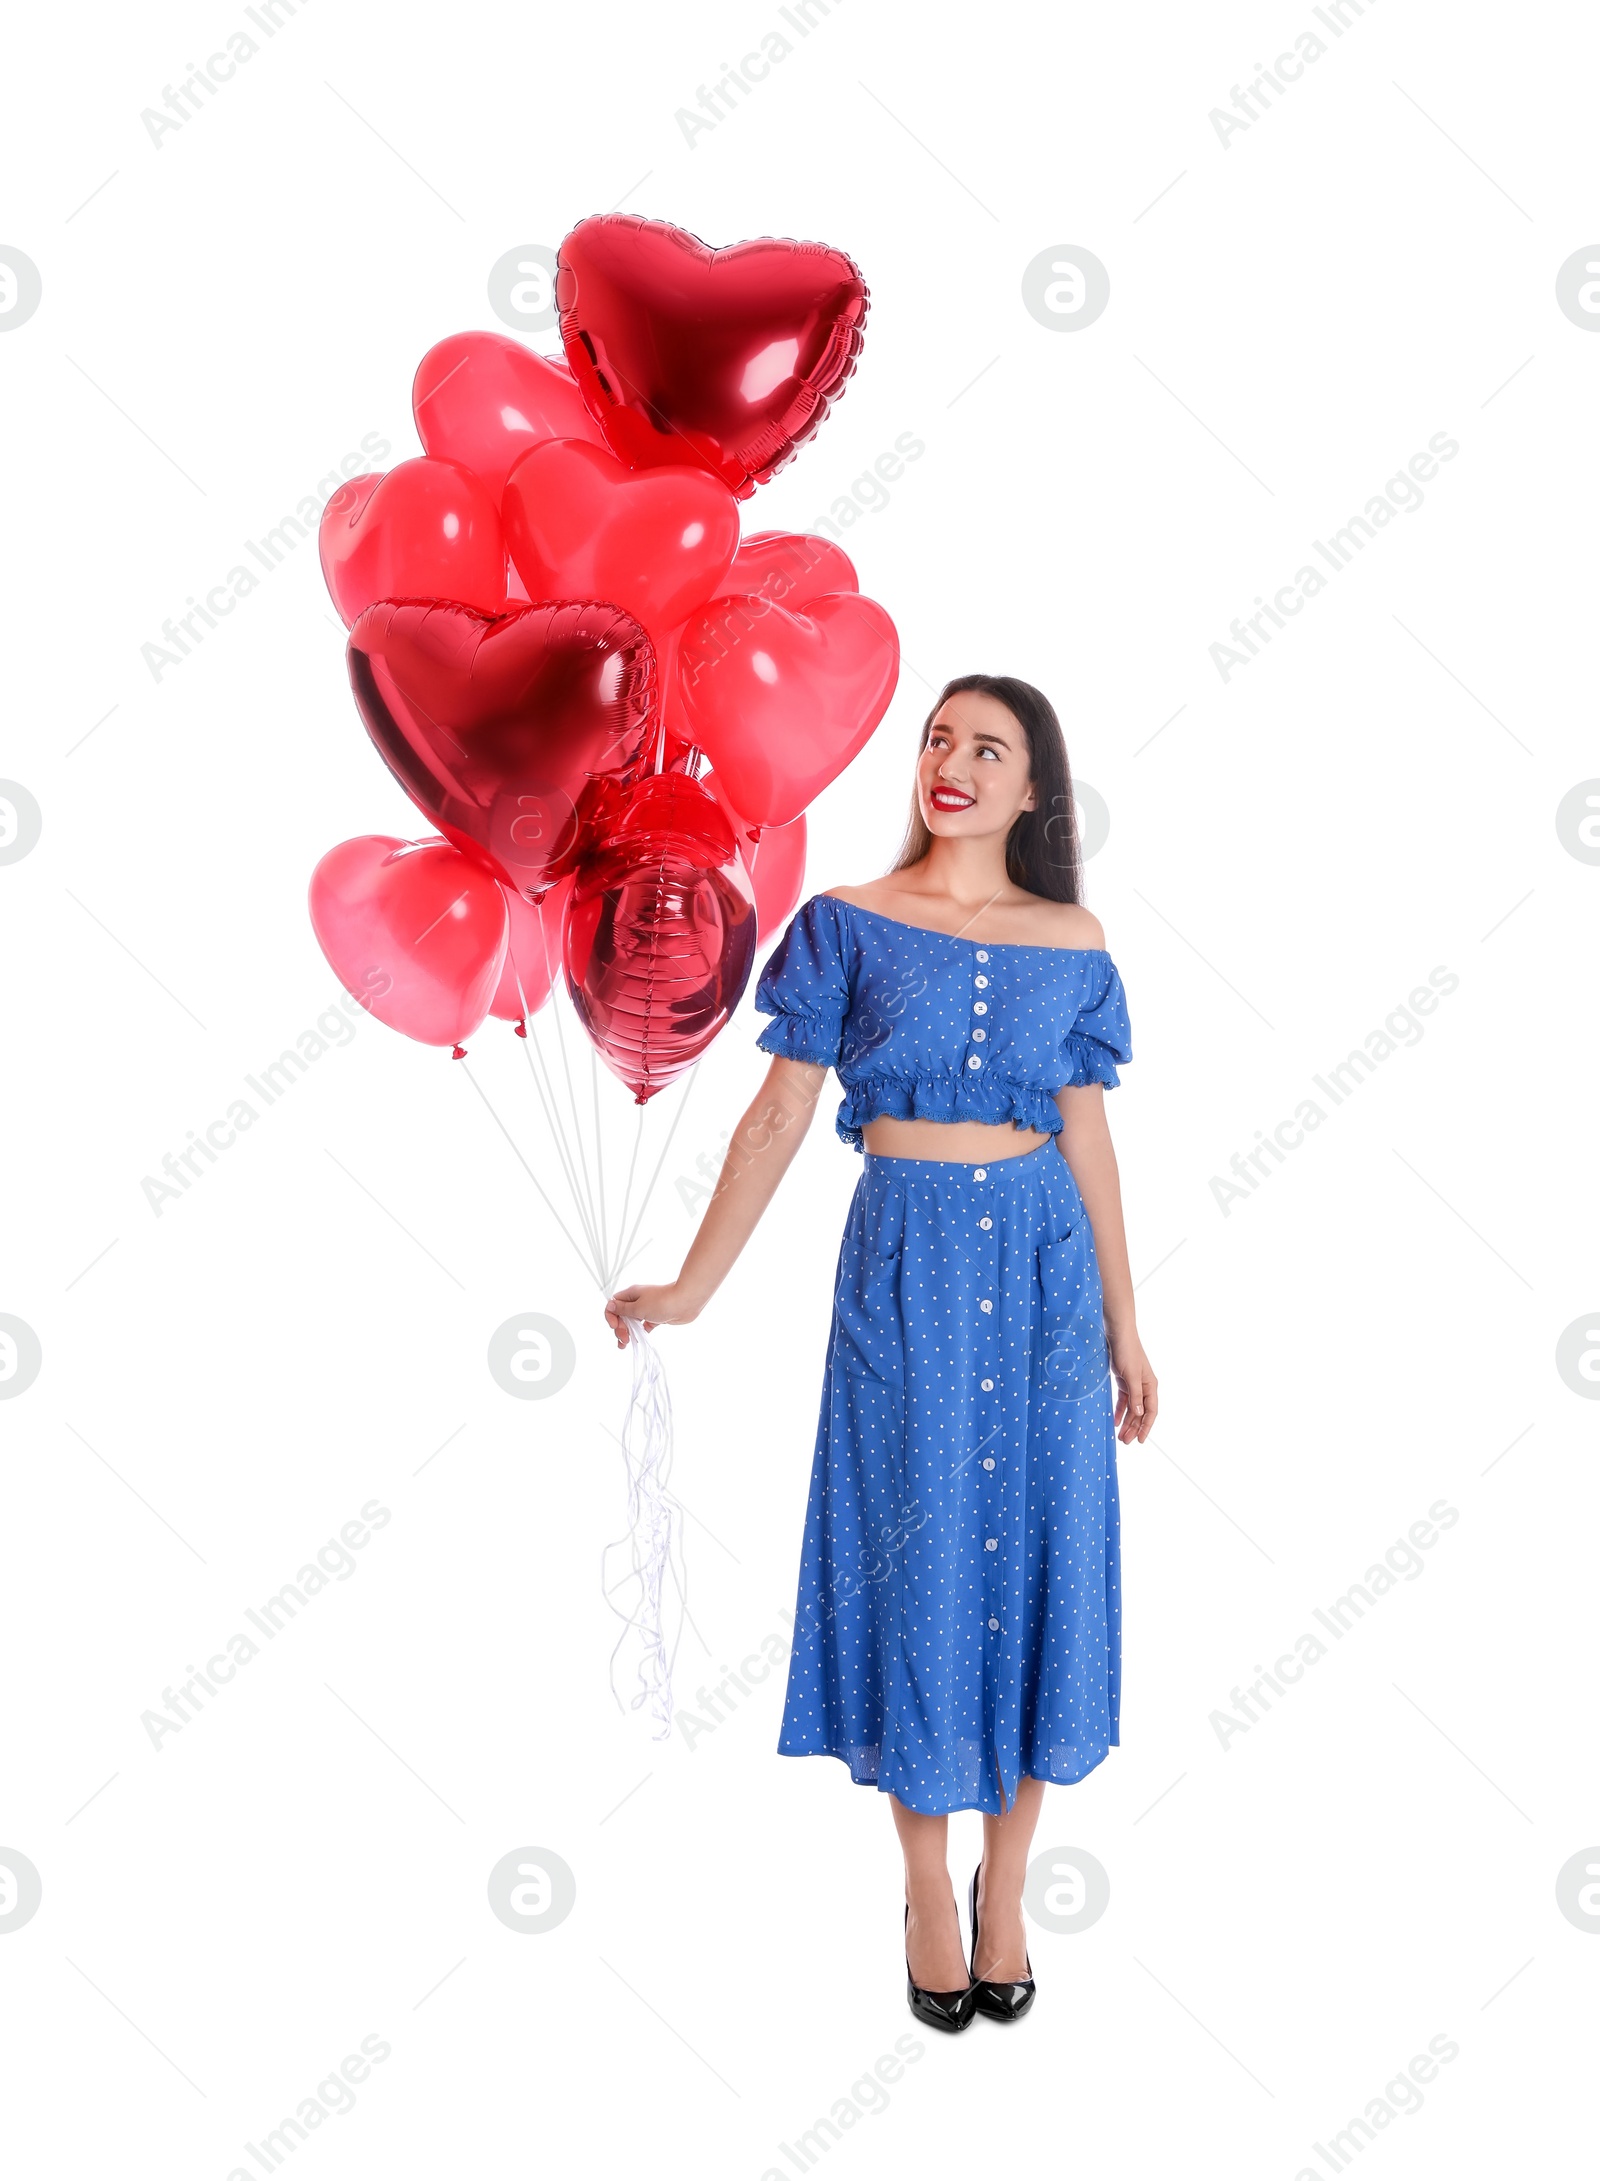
(923,1026)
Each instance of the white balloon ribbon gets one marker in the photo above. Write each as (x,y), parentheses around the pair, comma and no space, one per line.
(653,1542)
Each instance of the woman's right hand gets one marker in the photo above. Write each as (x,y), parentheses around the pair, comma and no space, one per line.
(650,1306)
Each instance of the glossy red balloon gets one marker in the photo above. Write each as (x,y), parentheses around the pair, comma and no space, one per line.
(781,702)
(776,863)
(774,856)
(789,568)
(425,530)
(533,955)
(501,729)
(414,931)
(675,737)
(350,499)
(785,568)
(483,400)
(660,934)
(727,357)
(580,524)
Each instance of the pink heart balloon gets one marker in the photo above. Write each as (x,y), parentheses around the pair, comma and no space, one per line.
(781,702)
(777,867)
(483,400)
(773,855)
(533,956)
(425,530)
(414,931)
(580,524)
(788,567)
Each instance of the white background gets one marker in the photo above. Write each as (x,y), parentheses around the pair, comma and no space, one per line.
(1290,852)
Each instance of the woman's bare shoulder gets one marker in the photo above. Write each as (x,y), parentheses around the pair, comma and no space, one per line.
(859,897)
(1069,924)
(1087,930)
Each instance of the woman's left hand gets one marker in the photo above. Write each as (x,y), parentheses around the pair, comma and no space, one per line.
(1136,1388)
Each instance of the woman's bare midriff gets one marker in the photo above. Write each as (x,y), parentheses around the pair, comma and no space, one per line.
(966,1142)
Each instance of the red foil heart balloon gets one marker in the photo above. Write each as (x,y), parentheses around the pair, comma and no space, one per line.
(422,530)
(657,543)
(483,400)
(503,729)
(781,702)
(661,933)
(727,357)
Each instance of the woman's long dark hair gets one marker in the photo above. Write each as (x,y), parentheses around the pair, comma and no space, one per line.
(1042,847)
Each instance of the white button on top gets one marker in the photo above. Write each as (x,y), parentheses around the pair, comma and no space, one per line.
(988,1387)
(990,1543)
(982,957)
(982,983)
(993,1623)
(985,1224)
(986,1306)
(980,1007)
(988,1461)
(981,1173)
(974,1062)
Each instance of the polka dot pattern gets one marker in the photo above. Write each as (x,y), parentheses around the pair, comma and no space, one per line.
(923,1026)
(958,1619)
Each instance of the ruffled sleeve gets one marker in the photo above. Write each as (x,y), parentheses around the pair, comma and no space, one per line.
(1101,1036)
(804,987)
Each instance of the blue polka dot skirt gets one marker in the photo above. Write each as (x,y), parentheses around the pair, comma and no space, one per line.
(958,1624)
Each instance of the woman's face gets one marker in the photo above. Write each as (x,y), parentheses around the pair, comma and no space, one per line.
(973,775)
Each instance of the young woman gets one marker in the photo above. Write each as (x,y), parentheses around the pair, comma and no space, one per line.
(957,1636)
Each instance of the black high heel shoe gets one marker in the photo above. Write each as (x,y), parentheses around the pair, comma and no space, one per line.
(1009,2000)
(939,2010)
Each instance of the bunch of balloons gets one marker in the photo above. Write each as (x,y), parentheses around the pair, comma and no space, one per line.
(612,709)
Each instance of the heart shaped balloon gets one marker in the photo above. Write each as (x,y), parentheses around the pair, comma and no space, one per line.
(414,931)
(425,529)
(503,729)
(726,357)
(533,953)
(781,702)
(773,855)
(789,568)
(660,933)
(483,400)
(580,524)
(776,863)
(347,503)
